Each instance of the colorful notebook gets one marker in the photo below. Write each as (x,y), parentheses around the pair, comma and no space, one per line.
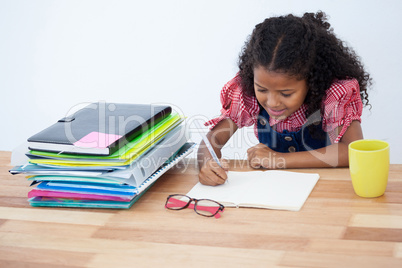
(93,199)
(133,174)
(123,156)
(99,128)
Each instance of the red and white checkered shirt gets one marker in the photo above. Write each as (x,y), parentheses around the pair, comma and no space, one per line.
(342,105)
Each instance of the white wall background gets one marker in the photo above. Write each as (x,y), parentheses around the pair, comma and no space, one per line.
(56,54)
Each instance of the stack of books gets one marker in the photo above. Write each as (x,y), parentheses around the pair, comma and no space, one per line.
(105,155)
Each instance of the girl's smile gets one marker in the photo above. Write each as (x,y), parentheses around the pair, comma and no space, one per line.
(275,112)
(278,93)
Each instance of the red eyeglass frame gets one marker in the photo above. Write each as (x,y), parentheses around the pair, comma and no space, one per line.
(174,202)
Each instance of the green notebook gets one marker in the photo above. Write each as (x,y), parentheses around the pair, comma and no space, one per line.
(99,128)
(122,157)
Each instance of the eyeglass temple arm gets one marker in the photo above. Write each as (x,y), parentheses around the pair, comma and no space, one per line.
(174,201)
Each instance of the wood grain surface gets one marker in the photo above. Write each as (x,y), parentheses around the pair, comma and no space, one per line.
(335,228)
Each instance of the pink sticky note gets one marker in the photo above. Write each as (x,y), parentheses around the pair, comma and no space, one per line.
(97,140)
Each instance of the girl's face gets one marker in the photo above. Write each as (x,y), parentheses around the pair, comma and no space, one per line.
(279,94)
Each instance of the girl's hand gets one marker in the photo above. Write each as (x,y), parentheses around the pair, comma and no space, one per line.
(212,174)
(261,156)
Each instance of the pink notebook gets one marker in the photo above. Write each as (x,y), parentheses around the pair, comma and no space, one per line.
(36,192)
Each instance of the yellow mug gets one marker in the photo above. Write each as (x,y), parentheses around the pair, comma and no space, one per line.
(369,167)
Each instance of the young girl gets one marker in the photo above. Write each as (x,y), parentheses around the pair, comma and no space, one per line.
(301,88)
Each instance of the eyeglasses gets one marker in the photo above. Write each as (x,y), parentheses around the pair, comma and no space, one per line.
(203,207)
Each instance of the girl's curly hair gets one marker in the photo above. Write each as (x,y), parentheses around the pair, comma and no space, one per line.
(305,47)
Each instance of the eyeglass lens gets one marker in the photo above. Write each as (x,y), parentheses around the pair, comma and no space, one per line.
(207,207)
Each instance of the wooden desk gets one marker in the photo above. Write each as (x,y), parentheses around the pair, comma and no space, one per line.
(335,228)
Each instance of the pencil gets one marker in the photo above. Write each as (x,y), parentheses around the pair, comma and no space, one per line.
(208,144)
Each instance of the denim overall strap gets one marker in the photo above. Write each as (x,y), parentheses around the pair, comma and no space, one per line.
(290,141)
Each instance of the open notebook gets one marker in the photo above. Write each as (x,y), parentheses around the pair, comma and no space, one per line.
(270,189)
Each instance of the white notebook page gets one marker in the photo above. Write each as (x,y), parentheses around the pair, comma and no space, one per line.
(272,189)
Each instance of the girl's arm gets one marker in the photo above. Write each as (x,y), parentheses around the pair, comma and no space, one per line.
(335,155)
(210,172)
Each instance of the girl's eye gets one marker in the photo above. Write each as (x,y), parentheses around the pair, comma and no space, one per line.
(286,95)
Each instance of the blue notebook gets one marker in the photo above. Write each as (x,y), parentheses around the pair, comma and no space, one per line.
(139,191)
